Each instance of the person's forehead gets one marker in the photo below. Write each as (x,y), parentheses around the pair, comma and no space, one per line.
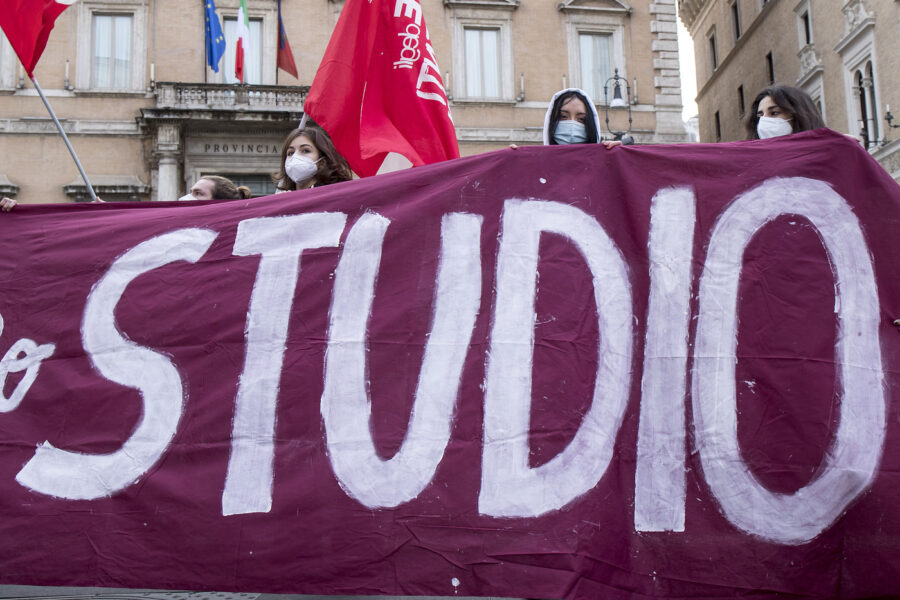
(204,184)
(302,140)
(573,103)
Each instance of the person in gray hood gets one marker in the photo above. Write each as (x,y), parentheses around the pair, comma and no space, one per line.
(572,119)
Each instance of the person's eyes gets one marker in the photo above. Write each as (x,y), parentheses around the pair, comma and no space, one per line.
(290,152)
(582,119)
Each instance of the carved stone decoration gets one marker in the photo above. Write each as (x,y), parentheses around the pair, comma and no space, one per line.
(808,60)
(855,12)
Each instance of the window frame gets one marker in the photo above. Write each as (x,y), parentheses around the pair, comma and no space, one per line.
(584,23)
(468,68)
(736,29)
(804,24)
(111,69)
(9,64)
(268,45)
(84,49)
(463,18)
(770,68)
(712,47)
(225,75)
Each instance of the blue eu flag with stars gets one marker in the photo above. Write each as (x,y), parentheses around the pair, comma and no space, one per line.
(215,39)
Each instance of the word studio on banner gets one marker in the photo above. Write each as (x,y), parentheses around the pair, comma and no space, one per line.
(509,487)
(536,372)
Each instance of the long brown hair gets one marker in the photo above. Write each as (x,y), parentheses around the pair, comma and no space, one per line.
(804,113)
(224,189)
(333,169)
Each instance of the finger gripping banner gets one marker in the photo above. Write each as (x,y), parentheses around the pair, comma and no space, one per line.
(548,372)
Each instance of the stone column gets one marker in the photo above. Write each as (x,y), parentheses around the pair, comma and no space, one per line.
(666,75)
(168,152)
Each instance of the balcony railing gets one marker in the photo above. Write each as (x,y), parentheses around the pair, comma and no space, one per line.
(212,96)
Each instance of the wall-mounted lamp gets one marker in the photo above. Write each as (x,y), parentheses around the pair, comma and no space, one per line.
(152,85)
(890,123)
(618,102)
(521,96)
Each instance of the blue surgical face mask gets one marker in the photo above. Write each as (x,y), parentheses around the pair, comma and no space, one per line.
(570,132)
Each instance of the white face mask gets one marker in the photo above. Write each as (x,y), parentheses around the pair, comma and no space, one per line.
(187,196)
(570,132)
(299,168)
(769,127)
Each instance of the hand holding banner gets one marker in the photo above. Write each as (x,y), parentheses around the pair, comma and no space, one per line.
(507,375)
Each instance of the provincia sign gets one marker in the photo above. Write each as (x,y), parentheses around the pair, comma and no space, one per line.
(555,372)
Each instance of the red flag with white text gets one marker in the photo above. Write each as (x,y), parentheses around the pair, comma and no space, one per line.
(27,24)
(378,89)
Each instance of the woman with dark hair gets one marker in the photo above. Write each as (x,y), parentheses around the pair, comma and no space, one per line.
(213,187)
(572,119)
(309,159)
(781,110)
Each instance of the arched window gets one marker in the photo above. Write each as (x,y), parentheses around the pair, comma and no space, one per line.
(859,80)
(872,112)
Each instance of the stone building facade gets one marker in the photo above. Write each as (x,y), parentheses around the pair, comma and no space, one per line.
(129,81)
(844,53)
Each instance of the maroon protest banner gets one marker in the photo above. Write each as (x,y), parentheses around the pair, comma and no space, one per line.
(663,371)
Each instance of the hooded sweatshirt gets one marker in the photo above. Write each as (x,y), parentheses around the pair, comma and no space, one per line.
(592,113)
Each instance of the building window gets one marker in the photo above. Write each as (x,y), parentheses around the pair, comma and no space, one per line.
(718,124)
(868,106)
(713,52)
(770,68)
(742,106)
(111,45)
(482,66)
(594,52)
(260,185)
(736,20)
(8,65)
(805,28)
(252,55)
(111,58)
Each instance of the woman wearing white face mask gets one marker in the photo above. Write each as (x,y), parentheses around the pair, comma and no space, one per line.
(782,110)
(572,119)
(309,159)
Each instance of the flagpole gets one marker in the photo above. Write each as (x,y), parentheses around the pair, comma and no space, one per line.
(65,138)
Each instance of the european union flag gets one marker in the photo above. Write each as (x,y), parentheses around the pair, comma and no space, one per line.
(215,39)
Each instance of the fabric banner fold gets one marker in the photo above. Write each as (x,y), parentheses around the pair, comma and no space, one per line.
(551,372)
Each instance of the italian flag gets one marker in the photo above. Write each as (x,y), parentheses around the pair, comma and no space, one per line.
(243,40)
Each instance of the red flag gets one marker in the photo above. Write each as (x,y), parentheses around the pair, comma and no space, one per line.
(379,88)
(27,25)
(285,56)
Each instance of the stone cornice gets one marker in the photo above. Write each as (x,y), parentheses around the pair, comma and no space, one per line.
(595,6)
(44,125)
